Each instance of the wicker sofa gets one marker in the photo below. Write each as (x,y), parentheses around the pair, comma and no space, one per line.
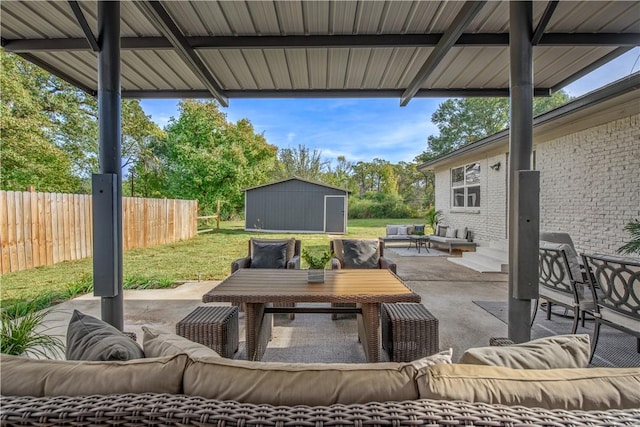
(184,383)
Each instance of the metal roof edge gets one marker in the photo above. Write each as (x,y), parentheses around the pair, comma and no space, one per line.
(297,178)
(612,90)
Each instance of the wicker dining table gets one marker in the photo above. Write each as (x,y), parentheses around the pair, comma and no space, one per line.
(261,289)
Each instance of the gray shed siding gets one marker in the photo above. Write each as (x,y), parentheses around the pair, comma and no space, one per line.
(287,206)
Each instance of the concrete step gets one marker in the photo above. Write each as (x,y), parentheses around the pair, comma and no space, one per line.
(485,259)
(498,255)
(477,265)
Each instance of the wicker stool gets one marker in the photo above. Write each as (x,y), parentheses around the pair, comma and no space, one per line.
(215,326)
(500,341)
(409,331)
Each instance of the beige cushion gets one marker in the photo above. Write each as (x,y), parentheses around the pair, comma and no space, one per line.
(299,383)
(555,352)
(159,343)
(586,389)
(22,376)
(434,359)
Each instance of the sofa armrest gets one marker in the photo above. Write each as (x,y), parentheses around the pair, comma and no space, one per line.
(335,264)
(294,263)
(386,263)
(240,263)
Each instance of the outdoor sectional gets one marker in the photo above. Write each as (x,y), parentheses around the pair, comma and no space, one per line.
(184,383)
(451,238)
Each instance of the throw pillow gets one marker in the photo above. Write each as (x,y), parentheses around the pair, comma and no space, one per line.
(159,343)
(392,230)
(402,230)
(555,352)
(360,253)
(451,233)
(269,255)
(464,233)
(89,338)
(291,245)
(442,230)
(444,357)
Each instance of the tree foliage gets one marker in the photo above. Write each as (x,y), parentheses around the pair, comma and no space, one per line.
(301,162)
(462,121)
(209,159)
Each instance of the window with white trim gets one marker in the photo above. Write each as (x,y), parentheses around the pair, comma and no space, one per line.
(465,186)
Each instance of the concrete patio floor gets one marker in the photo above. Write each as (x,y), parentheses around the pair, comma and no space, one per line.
(447,290)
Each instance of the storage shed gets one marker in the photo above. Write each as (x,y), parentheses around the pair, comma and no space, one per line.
(296,205)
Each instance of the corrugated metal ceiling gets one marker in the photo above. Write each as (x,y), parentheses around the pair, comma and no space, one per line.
(314,48)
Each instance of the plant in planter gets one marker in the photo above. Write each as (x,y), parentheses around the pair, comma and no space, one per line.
(433,217)
(22,333)
(316,265)
(633,245)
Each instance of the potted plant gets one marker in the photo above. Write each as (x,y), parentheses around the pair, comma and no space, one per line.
(316,265)
(433,217)
(633,245)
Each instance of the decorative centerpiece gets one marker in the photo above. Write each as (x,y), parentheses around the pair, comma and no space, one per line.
(316,265)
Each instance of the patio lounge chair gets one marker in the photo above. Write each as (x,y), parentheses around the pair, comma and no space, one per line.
(358,254)
(560,283)
(271,253)
(618,299)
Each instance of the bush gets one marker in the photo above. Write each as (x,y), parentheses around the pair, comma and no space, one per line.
(379,205)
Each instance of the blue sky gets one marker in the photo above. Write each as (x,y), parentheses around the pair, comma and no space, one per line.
(361,129)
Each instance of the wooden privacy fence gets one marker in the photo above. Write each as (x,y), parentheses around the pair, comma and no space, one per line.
(45,228)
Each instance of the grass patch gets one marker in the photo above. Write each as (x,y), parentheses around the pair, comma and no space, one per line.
(207,256)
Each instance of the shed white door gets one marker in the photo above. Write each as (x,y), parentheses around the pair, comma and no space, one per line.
(335,219)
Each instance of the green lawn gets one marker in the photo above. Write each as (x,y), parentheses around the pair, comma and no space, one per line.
(207,256)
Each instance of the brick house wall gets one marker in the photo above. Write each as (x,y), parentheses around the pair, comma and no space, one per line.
(589,187)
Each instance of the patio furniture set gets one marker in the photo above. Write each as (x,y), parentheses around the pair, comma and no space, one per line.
(449,237)
(180,382)
(605,287)
(370,291)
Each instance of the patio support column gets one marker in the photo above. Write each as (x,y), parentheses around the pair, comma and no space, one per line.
(524,215)
(107,185)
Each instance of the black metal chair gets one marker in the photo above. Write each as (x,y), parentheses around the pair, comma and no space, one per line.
(557,284)
(618,298)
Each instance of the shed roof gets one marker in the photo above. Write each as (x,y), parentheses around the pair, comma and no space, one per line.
(621,96)
(296,178)
(324,48)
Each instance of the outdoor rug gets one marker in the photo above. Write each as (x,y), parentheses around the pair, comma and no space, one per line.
(615,348)
(311,338)
(400,251)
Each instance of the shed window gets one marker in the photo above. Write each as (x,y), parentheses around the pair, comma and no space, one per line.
(465,186)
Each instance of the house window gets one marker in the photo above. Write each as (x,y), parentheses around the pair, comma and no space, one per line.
(465,186)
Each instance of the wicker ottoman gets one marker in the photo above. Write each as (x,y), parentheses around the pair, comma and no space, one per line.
(216,327)
(409,331)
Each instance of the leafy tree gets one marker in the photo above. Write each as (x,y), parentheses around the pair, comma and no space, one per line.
(341,175)
(206,158)
(29,154)
(301,162)
(463,121)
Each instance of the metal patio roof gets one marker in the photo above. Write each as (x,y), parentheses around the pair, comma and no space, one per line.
(240,49)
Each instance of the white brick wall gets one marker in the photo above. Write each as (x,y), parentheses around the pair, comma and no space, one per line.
(590,184)
(589,188)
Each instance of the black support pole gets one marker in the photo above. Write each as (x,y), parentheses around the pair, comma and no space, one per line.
(107,188)
(524,215)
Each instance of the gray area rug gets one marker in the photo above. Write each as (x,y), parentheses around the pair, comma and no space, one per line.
(311,338)
(615,348)
(400,251)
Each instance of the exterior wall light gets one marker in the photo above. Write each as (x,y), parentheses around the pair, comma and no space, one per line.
(495,166)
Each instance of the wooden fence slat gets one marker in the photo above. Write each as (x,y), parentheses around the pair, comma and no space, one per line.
(4,235)
(26,229)
(46,228)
